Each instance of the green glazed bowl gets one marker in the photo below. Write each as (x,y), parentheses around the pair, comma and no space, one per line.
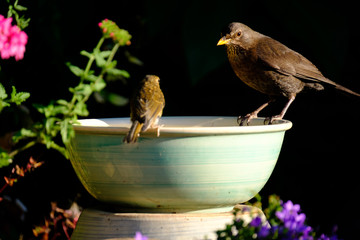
(197,164)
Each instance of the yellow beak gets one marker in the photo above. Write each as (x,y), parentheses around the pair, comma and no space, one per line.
(223,41)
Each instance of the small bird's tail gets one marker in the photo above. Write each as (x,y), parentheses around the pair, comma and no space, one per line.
(134,132)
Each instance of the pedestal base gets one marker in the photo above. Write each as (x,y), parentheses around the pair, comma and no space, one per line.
(96,224)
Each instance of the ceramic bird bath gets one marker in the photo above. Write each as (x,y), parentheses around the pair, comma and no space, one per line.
(197,164)
(190,177)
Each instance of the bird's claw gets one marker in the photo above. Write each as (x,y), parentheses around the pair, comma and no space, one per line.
(270,120)
(241,120)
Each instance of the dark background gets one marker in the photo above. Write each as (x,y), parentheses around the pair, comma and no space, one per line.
(176,40)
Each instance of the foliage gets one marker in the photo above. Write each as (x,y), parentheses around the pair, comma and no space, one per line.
(14,10)
(54,129)
(18,172)
(12,44)
(59,224)
(283,221)
(60,114)
(15,97)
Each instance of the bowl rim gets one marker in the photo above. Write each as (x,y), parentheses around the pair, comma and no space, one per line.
(112,126)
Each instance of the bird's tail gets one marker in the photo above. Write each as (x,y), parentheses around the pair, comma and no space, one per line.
(337,86)
(134,132)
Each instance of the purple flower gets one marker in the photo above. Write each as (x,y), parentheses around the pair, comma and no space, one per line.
(256,222)
(290,216)
(289,210)
(307,233)
(264,232)
(324,237)
(139,236)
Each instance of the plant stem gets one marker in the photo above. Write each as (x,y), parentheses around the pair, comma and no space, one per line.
(3,187)
(112,54)
(103,71)
(28,145)
(86,72)
(91,59)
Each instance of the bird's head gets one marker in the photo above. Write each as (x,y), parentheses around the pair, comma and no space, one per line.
(152,79)
(238,34)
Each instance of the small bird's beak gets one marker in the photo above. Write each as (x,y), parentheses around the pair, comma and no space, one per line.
(223,41)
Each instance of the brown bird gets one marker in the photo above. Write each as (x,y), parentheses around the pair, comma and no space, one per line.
(146,107)
(270,67)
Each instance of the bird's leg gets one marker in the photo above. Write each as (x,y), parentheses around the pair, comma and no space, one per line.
(158,129)
(157,126)
(282,114)
(247,118)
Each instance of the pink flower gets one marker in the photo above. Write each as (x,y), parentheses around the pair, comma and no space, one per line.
(12,40)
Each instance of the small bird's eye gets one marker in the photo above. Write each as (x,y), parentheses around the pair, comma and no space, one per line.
(238,34)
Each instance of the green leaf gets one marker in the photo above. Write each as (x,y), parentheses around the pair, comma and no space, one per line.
(86,54)
(20,97)
(52,110)
(105,54)
(133,59)
(27,133)
(51,127)
(117,99)
(118,72)
(81,109)
(19,7)
(16,5)
(75,70)
(23,134)
(10,11)
(39,107)
(91,77)
(111,65)
(3,104)
(100,61)
(22,22)
(5,159)
(67,131)
(99,85)
(3,94)
(13,93)
(82,89)
(62,102)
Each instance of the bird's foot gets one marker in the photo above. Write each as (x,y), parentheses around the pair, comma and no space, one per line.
(246,119)
(158,129)
(270,120)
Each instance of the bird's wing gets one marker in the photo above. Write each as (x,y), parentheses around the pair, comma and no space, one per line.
(152,110)
(286,61)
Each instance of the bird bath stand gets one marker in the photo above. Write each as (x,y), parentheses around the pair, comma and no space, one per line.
(181,185)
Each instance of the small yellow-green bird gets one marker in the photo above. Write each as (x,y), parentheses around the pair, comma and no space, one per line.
(146,107)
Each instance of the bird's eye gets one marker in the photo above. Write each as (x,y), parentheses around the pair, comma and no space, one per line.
(238,34)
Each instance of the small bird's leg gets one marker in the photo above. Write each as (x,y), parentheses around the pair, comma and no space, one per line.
(282,114)
(247,118)
(157,126)
(158,130)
